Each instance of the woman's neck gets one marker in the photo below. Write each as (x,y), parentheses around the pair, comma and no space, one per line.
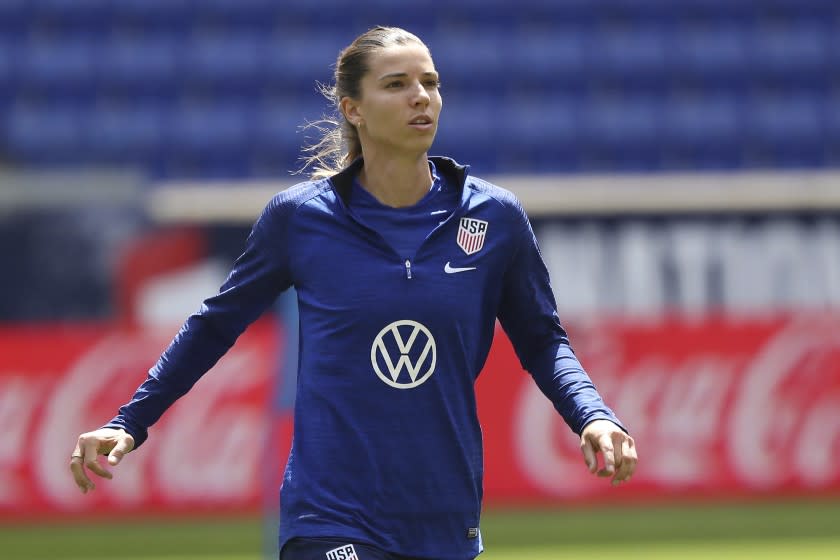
(396,182)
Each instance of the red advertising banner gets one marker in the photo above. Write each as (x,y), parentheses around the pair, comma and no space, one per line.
(719,408)
(203,455)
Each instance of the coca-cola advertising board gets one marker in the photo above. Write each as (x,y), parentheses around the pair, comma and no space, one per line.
(719,408)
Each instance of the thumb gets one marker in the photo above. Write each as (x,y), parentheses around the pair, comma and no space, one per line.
(589,454)
(124,445)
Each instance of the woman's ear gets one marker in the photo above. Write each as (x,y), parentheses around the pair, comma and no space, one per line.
(350,110)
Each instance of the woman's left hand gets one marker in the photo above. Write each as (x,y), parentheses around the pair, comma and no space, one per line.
(616,446)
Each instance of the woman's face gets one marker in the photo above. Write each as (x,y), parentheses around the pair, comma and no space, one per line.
(400,102)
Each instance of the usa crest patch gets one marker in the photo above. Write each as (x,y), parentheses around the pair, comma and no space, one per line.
(471,234)
(346,552)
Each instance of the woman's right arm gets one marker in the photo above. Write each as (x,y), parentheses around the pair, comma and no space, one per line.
(259,275)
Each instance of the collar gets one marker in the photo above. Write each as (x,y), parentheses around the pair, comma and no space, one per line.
(453,172)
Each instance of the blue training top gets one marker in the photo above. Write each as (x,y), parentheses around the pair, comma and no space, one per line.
(387,446)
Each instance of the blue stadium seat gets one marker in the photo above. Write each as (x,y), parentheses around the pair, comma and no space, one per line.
(141,63)
(621,133)
(210,129)
(130,133)
(537,85)
(552,58)
(831,118)
(324,16)
(790,53)
(8,66)
(420,18)
(710,53)
(787,120)
(503,12)
(86,13)
(162,12)
(244,11)
(469,129)
(279,129)
(224,60)
(629,55)
(538,122)
(787,129)
(63,63)
(46,134)
(543,133)
(296,61)
(13,14)
(704,131)
(470,60)
(631,123)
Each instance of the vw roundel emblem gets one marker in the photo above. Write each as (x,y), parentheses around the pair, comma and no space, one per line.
(404,354)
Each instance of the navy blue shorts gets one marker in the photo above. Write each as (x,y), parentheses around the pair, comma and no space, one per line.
(334,549)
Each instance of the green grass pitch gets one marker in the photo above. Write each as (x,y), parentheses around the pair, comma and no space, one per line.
(769,531)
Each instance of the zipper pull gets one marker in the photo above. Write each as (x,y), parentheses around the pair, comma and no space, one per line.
(408,269)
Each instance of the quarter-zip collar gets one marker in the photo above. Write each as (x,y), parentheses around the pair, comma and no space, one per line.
(452,172)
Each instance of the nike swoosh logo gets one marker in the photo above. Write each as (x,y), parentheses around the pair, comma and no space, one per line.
(452,270)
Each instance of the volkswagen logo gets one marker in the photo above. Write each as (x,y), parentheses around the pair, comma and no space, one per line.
(404,345)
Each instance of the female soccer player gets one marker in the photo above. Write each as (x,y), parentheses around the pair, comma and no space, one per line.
(402,263)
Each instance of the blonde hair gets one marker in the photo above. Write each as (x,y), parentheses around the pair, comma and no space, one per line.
(339,142)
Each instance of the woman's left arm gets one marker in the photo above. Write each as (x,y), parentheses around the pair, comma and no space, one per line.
(528,314)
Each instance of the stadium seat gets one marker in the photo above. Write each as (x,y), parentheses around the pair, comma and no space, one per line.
(323,16)
(75,13)
(831,118)
(502,12)
(470,129)
(710,53)
(280,128)
(786,129)
(13,14)
(8,70)
(46,134)
(785,119)
(65,63)
(629,55)
(790,53)
(244,11)
(131,133)
(483,63)
(224,61)
(141,63)
(295,62)
(210,128)
(629,122)
(621,133)
(556,57)
(702,131)
(169,13)
(543,133)
(537,85)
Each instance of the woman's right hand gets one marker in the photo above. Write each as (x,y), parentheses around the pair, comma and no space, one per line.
(114,443)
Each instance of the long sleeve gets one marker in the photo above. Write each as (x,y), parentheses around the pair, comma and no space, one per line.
(529,317)
(259,275)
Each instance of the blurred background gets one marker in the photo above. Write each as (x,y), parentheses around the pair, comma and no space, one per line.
(680,161)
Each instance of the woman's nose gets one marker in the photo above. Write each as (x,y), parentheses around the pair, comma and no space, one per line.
(421,96)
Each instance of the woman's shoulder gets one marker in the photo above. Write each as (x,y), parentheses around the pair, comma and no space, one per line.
(293,198)
(503,197)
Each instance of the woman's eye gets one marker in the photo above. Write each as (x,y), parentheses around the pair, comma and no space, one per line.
(394,84)
(433,83)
